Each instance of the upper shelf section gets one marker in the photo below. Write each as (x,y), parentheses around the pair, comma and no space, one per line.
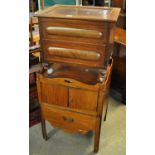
(81,12)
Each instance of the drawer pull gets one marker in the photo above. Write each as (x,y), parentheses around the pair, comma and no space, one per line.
(74,53)
(68,81)
(74,32)
(68,119)
(82,131)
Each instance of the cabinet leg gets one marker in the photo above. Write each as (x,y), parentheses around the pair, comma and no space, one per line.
(43,126)
(97,135)
(105,117)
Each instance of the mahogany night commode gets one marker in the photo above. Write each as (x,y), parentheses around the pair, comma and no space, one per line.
(77,42)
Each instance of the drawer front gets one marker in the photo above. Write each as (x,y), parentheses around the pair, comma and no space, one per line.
(68,120)
(74,30)
(73,53)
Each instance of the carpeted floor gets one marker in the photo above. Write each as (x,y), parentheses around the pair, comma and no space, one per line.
(112,139)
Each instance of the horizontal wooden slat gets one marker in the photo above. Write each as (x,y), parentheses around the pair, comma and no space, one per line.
(73,53)
(74,84)
(74,32)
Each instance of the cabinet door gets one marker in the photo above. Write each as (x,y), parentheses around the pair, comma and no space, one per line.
(54,94)
(83,99)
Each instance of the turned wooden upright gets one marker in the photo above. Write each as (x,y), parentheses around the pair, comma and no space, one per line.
(77,43)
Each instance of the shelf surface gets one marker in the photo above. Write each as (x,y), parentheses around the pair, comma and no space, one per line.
(86,75)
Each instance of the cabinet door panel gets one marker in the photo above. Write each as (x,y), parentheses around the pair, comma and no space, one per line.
(54,94)
(82,99)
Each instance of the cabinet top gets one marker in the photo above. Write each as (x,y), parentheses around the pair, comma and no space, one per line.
(81,12)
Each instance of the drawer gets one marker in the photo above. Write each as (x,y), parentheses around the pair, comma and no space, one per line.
(67,120)
(74,30)
(73,53)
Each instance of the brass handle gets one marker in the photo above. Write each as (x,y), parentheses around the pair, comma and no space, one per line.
(82,131)
(67,119)
(68,81)
(74,32)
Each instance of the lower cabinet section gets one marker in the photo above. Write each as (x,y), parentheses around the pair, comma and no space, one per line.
(73,105)
(67,120)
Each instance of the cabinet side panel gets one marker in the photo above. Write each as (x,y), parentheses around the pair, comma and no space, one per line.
(43,93)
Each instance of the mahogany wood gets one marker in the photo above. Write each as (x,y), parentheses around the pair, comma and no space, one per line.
(54,94)
(78,106)
(120,36)
(79,98)
(73,83)
(97,134)
(91,55)
(80,111)
(68,120)
(77,28)
(76,54)
(81,40)
(94,28)
(43,126)
(82,76)
(84,12)
(73,32)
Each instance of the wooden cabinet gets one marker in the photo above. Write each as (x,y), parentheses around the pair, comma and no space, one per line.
(77,35)
(77,43)
(73,105)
